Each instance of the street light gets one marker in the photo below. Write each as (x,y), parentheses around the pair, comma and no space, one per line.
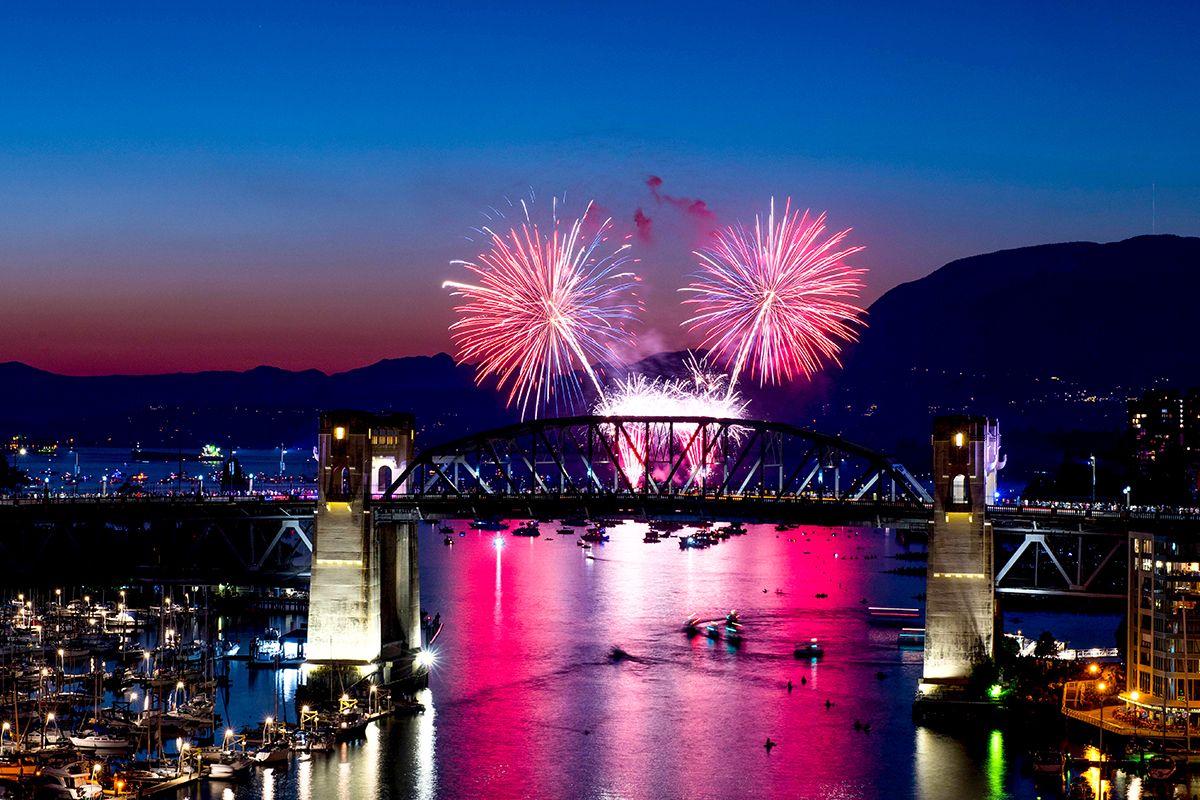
(1092,459)
(1100,687)
(1126,491)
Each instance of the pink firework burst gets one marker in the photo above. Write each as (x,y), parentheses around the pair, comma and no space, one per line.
(776,298)
(545,305)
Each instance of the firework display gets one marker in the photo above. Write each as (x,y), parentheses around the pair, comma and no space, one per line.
(775,299)
(547,306)
(544,306)
(644,449)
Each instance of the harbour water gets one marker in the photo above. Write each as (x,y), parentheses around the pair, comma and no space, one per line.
(525,701)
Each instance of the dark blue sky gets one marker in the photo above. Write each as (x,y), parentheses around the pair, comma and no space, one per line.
(221,185)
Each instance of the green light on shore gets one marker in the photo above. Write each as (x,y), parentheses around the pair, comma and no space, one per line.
(994,691)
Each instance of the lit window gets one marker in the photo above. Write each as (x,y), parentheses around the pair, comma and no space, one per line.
(339,432)
(958,440)
(958,490)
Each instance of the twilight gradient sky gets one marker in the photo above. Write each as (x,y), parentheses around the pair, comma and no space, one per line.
(207,185)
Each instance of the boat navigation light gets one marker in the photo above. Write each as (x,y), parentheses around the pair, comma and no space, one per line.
(499,542)
(425,659)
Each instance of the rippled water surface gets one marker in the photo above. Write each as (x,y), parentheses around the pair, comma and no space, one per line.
(525,702)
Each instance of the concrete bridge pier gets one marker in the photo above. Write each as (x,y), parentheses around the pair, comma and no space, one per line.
(960,601)
(364,601)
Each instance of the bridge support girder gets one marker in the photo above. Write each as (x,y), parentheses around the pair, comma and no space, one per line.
(365,589)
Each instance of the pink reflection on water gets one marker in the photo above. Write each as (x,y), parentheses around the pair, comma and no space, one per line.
(539,710)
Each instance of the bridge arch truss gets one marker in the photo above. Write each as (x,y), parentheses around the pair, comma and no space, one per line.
(656,456)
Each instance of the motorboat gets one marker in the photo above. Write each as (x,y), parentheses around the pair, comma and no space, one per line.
(811,650)
(100,740)
(733,633)
(528,529)
(271,754)
(596,535)
(712,631)
(70,780)
(446,529)
(1161,768)
(229,768)
(1048,762)
(448,540)
(352,726)
(691,625)
(267,649)
(651,538)
(566,531)
(489,525)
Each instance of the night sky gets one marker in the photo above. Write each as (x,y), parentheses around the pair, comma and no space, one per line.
(198,185)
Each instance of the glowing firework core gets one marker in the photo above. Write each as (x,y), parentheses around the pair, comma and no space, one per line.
(644,449)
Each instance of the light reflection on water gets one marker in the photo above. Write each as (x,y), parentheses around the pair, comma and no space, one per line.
(525,702)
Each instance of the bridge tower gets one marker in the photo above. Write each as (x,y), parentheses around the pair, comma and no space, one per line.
(960,604)
(364,600)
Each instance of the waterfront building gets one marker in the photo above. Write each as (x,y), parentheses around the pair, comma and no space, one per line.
(1163,631)
(1156,424)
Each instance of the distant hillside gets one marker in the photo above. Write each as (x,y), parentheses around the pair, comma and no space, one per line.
(1050,339)
(260,407)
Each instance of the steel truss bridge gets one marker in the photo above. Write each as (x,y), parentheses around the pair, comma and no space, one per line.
(694,468)
(656,457)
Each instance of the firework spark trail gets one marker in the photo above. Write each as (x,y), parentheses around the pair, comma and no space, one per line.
(702,394)
(543,306)
(775,298)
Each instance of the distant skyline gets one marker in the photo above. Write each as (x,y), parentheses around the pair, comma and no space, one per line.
(194,186)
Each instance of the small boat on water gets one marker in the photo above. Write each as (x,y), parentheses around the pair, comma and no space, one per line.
(229,768)
(68,780)
(691,625)
(712,631)
(1161,768)
(489,525)
(733,633)
(651,538)
(596,535)
(446,529)
(266,649)
(100,740)
(1048,762)
(271,754)
(528,529)
(811,650)
(566,532)
(448,540)
(353,726)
